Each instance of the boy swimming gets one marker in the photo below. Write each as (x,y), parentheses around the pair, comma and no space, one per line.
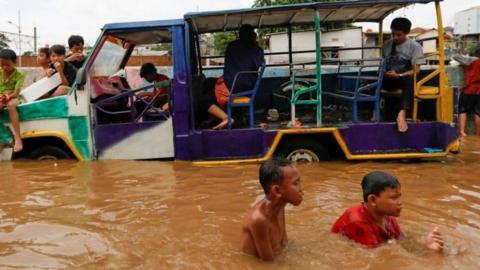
(263,230)
(373,222)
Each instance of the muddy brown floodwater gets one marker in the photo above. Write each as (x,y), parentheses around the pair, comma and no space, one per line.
(171,215)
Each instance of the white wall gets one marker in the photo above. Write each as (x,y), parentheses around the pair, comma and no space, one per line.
(306,41)
(467,21)
(429,46)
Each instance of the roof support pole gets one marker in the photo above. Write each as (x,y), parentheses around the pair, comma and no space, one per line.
(380,37)
(443,82)
(290,55)
(319,67)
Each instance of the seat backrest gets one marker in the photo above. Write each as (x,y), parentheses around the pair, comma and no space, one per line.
(381,73)
(261,70)
(353,82)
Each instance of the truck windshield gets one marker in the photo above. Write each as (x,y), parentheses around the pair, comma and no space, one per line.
(110,57)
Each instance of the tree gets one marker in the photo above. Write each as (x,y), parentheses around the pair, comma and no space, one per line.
(162,47)
(221,41)
(27,53)
(3,41)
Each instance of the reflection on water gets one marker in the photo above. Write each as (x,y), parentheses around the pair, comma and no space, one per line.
(145,215)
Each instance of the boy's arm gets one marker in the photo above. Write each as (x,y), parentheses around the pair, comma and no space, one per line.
(433,241)
(261,239)
(18,86)
(75,57)
(463,59)
(59,67)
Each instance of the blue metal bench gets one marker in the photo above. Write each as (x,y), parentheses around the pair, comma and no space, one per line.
(244,98)
(360,87)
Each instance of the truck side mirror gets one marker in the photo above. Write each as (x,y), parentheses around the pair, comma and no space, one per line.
(81,78)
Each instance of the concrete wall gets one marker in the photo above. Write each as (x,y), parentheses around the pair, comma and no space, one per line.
(467,21)
(306,41)
(134,60)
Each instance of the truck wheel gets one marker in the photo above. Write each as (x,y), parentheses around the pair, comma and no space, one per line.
(48,153)
(304,150)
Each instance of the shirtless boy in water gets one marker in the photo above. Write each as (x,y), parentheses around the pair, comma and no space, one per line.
(263,230)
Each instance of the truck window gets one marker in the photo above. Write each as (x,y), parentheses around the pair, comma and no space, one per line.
(109,58)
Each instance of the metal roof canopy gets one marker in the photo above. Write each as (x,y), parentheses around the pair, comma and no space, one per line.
(297,14)
(144,32)
(140,26)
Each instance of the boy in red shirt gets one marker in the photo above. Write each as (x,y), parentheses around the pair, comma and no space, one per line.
(374,222)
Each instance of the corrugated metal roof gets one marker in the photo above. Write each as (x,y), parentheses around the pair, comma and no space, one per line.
(341,11)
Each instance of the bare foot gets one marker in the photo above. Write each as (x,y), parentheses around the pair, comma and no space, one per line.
(222,124)
(402,125)
(402,122)
(18,146)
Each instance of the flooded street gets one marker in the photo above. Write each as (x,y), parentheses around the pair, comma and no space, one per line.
(171,215)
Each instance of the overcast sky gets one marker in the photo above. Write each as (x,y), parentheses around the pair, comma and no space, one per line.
(57,19)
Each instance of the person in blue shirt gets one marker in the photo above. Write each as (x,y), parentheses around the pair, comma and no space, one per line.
(242,54)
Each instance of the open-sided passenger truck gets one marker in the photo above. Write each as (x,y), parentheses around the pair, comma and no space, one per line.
(86,124)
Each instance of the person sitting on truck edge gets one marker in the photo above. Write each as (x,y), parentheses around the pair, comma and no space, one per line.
(404,57)
(66,70)
(76,56)
(149,72)
(470,91)
(11,82)
(263,229)
(373,221)
(242,54)
(43,60)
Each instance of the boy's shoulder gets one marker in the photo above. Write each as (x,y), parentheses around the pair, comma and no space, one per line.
(475,64)
(20,73)
(15,75)
(258,212)
(256,216)
(357,213)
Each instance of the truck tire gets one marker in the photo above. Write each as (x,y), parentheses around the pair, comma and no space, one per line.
(304,150)
(48,152)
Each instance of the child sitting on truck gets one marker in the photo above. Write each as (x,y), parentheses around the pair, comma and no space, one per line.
(149,72)
(11,82)
(66,70)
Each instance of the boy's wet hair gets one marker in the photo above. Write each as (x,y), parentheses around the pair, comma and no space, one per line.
(58,49)
(8,55)
(376,182)
(271,172)
(147,68)
(75,40)
(401,24)
(45,51)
